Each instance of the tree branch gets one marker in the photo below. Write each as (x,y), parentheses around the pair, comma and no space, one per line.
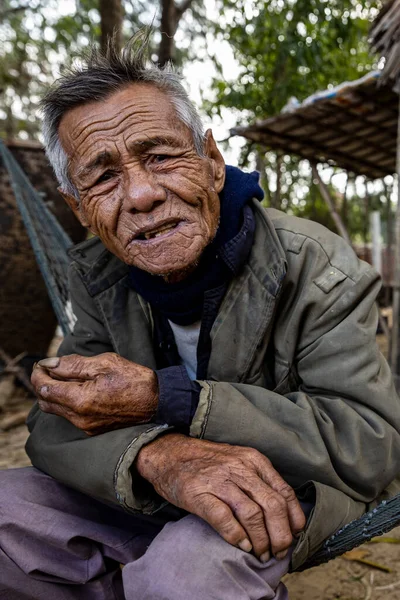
(182,7)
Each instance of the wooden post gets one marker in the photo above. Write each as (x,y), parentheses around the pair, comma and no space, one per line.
(331,205)
(366,218)
(389,245)
(375,231)
(277,198)
(394,355)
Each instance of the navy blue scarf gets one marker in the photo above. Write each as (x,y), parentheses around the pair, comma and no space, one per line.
(182,302)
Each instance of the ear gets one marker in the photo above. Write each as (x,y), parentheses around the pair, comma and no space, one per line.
(73,203)
(218,163)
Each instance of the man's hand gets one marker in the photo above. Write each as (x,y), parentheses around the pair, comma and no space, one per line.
(235,489)
(98,393)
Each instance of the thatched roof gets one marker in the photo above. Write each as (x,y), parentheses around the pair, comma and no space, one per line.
(353,126)
(385,40)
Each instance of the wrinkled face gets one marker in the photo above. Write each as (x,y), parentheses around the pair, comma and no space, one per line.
(143,189)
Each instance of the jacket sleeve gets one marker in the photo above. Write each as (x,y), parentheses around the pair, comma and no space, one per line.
(99,466)
(340,423)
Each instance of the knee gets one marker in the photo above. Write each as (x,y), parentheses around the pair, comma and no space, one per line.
(11,485)
(19,485)
(191,541)
(192,553)
(187,551)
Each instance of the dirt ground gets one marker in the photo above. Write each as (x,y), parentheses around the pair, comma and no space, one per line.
(340,579)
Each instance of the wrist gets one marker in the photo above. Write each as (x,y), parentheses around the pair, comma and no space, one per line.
(154,457)
(149,404)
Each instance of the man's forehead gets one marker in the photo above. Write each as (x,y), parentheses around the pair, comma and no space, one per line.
(142,103)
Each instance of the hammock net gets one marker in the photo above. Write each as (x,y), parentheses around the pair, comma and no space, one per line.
(48,239)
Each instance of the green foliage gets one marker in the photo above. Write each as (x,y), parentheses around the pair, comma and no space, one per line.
(292,48)
(35,41)
(39,37)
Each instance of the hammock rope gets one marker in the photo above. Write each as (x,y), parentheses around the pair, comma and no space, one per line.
(50,244)
(48,239)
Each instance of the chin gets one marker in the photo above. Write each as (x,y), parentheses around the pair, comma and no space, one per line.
(171,273)
(164,268)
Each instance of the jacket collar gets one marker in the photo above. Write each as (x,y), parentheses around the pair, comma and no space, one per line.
(267,258)
(260,280)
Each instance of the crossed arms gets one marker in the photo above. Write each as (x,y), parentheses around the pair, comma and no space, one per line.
(235,489)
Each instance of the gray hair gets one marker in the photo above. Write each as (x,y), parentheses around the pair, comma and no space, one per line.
(100,75)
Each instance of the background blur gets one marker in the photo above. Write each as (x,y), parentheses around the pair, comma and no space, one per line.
(242,60)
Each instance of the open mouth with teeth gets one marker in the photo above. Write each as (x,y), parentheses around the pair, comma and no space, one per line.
(158,231)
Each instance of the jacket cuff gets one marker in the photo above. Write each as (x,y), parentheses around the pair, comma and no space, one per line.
(132,491)
(178,397)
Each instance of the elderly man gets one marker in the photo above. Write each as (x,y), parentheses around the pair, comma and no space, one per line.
(221,407)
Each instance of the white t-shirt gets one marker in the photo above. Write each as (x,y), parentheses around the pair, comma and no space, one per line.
(187,338)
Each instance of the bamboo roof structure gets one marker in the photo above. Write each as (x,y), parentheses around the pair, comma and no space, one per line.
(385,40)
(353,126)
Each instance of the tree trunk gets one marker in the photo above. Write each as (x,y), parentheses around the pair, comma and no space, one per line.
(331,206)
(168,26)
(171,14)
(111,19)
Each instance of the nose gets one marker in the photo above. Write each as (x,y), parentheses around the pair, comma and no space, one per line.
(142,191)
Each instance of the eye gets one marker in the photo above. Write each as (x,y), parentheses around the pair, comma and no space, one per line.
(158,158)
(105,176)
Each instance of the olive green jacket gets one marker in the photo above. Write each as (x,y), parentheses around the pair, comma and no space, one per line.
(294,372)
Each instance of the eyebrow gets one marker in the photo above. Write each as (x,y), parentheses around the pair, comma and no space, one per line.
(149,143)
(105,158)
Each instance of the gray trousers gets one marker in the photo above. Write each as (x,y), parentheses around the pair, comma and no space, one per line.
(58,544)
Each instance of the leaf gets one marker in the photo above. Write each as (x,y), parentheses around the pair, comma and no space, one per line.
(358,555)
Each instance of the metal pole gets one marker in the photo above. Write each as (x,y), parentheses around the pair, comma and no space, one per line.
(396,279)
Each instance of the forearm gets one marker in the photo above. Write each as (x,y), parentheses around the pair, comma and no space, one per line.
(319,438)
(99,466)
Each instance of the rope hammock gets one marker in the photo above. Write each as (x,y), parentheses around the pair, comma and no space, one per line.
(48,239)
(50,244)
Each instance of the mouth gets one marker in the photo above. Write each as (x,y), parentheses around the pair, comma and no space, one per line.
(160,231)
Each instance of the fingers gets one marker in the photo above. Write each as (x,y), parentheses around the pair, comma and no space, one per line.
(250,515)
(56,409)
(271,477)
(66,393)
(297,517)
(74,366)
(217,514)
(266,513)
(80,421)
(275,512)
